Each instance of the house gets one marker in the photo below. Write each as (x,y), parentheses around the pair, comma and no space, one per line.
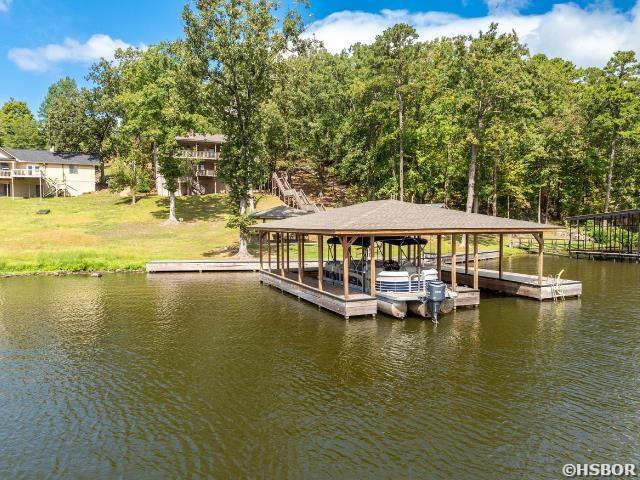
(46,173)
(204,150)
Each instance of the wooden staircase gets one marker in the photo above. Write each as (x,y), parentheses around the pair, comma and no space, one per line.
(293,197)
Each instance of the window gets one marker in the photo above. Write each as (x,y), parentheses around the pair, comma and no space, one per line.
(73,169)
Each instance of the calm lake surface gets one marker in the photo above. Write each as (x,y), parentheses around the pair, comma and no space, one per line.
(196,376)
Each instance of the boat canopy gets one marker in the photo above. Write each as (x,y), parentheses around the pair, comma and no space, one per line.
(392,240)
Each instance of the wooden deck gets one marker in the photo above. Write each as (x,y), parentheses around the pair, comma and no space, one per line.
(518,284)
(330,297)
(178,266)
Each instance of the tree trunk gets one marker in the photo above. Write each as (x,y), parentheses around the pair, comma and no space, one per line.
(612,160)
(321,178)
(172,208)
(446,177)
(252,205)
(540,204)
(243,250)
(494,197)
(401,135)
(471,185)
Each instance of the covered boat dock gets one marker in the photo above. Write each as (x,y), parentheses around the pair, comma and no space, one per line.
(371,258)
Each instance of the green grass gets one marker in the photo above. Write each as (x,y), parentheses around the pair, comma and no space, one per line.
(102,231)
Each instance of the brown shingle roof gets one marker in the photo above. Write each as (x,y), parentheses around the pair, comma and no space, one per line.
(278,213)
(392,216)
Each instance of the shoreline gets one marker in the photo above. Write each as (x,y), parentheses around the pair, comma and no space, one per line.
(100,272)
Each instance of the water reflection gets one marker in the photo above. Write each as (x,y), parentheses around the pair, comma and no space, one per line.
(216,376)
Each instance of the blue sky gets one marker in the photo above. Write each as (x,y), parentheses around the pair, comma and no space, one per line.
(42,40)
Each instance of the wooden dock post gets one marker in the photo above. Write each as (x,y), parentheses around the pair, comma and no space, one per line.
(345,266)
(269,251)
(277,251)
(300,259)
(372,265)
(282,254)
(260,241)
(466,253)
(454,263)
(288,253)
(439,256)
(320,261)
(475,261)
(302,244)
(500,251)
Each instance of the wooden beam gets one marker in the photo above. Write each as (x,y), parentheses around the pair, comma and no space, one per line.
(466,253)
(278,251)
(540,239)
(500,253)
(300,264)
(288,253)
(282,254)
(269,251)
(260,242)
(320,261)
(372,266)
(303,259)
(475,261)
(345,265)
(439,256)
(454,264)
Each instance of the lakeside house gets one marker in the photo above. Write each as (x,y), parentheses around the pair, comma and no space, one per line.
(46,173)
(205,151)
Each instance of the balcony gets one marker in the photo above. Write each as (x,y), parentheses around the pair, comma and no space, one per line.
(23,172)
(5,173)
(200,154)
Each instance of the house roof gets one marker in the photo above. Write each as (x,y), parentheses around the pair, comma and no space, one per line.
(278,213)
(46,156)
(395,217)
(203,138)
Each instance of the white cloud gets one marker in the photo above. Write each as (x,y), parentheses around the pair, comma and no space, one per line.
(71,50)
(4,5)
(587,36)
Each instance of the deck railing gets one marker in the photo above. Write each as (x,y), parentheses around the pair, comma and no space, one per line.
(202,154)
(23,172)
(5,173)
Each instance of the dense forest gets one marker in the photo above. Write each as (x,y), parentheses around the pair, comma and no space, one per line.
(476,122)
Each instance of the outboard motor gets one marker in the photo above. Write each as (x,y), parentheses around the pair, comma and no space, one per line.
(436,294)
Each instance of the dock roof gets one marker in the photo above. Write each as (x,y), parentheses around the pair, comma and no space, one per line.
(395,217)
(278,213)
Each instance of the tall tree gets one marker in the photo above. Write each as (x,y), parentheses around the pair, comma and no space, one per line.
(491,85)
(615,94)
(18,127)
(235,44)
(394,56)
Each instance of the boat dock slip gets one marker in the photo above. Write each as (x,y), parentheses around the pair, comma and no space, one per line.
(374,252)
(179,266)
(330,297)
(518,284)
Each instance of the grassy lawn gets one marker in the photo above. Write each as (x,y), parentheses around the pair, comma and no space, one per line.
(102,231)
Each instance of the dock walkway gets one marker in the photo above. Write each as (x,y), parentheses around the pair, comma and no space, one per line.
(178,266)
(519,284)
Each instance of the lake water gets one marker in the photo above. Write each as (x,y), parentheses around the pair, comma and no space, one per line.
(213,375)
